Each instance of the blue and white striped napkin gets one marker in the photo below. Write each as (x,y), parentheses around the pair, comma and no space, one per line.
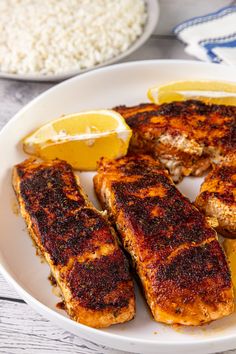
(211,37)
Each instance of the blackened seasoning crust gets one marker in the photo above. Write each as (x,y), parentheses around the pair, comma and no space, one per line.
(180,263)
(77,242)
(159,214)
(53,189)
(194,267)
(101,283)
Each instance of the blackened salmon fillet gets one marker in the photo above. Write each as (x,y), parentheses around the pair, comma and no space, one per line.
(187,137)
(217,195)
(77,241)
(180,263)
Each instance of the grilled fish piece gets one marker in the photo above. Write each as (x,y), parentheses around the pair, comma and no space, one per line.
(217,196)
(178,259)
(77,242)
(186,136)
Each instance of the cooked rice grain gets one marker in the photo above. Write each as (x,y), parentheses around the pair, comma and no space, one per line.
(56,36)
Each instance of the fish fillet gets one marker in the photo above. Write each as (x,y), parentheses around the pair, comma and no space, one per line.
(217,196)
(180,263)
(77,242)
(185,136)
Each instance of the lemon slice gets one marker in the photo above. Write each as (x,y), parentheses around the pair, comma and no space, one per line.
(230,250)
(81,139)
(208,91)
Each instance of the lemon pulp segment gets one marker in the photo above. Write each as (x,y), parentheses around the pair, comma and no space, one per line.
(81,139)
(208,91)
(230,250)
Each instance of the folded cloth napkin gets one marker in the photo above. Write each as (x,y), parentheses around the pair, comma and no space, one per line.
(211,37)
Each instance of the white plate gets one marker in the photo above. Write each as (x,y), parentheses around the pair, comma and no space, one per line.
(153,15)
(103,88)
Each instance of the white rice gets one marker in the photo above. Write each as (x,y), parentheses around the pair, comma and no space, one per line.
(56,36)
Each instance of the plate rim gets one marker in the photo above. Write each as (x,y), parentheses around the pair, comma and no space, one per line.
(107,337)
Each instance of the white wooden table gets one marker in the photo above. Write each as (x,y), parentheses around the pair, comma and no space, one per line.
(22,330)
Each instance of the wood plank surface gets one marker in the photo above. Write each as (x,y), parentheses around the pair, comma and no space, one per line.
(23,330)
(7,291)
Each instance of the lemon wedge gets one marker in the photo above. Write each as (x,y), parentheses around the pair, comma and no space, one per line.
(81,139)
(217,92)
(230,250)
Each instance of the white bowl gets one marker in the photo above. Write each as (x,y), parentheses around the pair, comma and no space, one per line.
(119,84)
(152,18)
